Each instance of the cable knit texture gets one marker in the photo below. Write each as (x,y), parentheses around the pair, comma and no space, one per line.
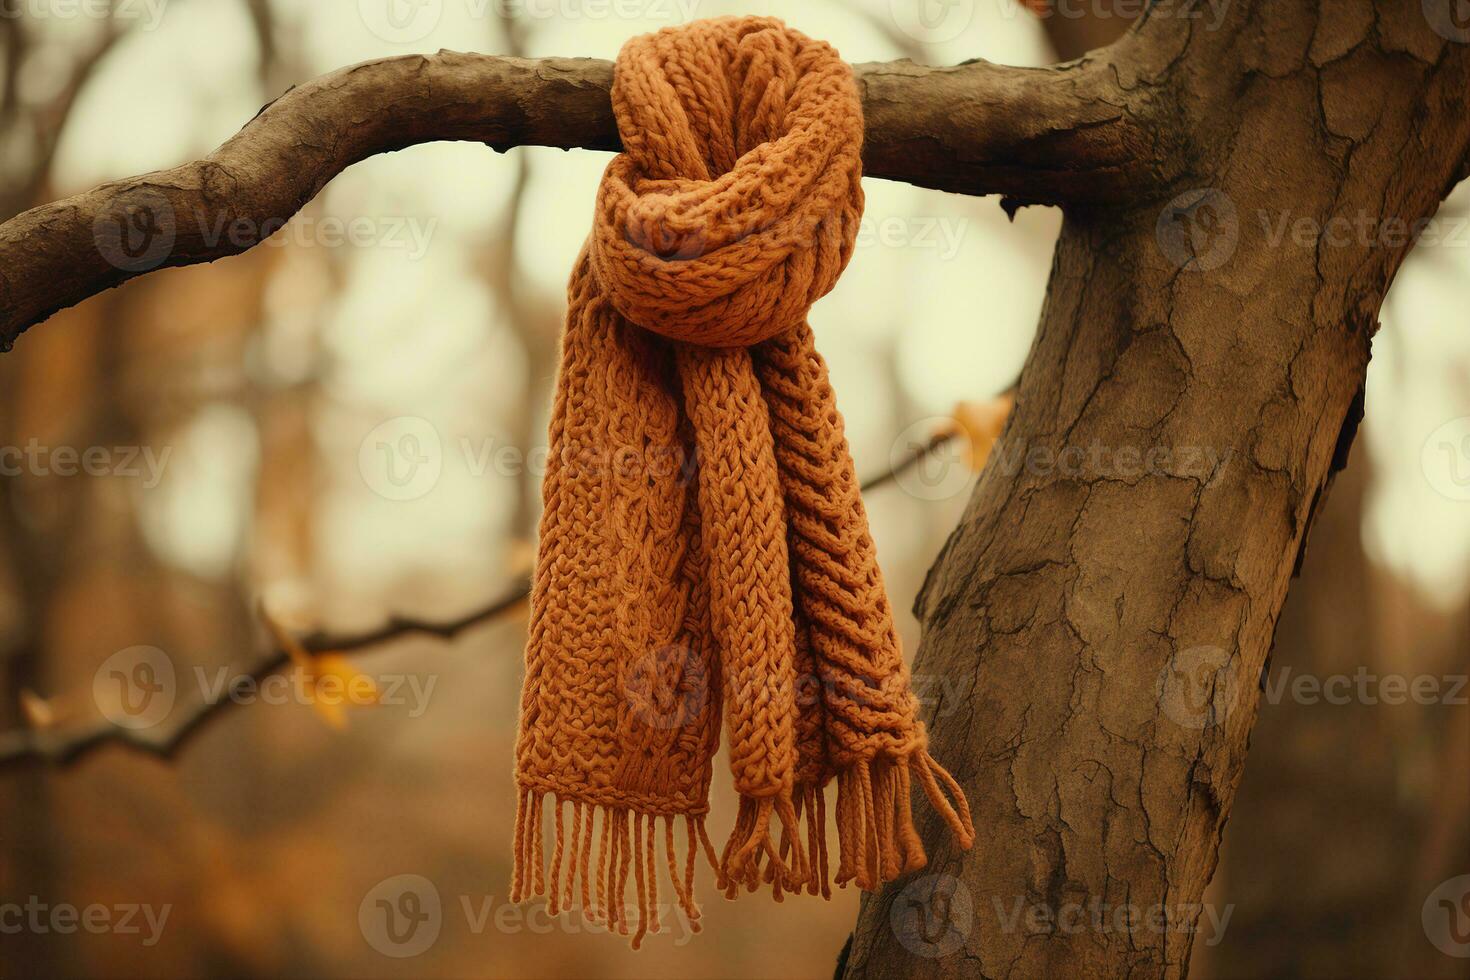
(704,545)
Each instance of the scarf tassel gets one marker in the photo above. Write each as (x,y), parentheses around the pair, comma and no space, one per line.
(751,858)
(629,843)
(876,838)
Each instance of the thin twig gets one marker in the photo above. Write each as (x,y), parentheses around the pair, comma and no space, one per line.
(65,747)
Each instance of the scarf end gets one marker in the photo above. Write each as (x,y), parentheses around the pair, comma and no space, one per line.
(752,858)
(629,839)
(877,841)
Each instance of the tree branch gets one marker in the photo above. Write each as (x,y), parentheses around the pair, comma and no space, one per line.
(65,747)
(1053,136)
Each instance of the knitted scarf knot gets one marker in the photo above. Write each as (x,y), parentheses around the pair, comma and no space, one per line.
(733,208)
(723,563)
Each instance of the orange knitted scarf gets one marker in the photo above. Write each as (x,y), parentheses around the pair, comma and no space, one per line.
(704,542)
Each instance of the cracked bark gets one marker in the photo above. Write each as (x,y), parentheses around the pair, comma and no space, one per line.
(1090,606)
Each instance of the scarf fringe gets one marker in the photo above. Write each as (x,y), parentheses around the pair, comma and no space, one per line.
(751,858)
(629,840)
(876,839)
(877,842)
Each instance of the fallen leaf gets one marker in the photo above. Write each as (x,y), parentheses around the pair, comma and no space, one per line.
(39,713)
(331,682)
(981,423)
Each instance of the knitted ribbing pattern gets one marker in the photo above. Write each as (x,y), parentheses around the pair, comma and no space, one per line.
(704,547)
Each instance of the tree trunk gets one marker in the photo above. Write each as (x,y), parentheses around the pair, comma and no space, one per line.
(1108,602)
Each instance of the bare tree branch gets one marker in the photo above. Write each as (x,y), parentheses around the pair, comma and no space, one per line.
(1063,135)
(63,747)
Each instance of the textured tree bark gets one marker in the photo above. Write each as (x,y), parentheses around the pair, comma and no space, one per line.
(1108,602)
